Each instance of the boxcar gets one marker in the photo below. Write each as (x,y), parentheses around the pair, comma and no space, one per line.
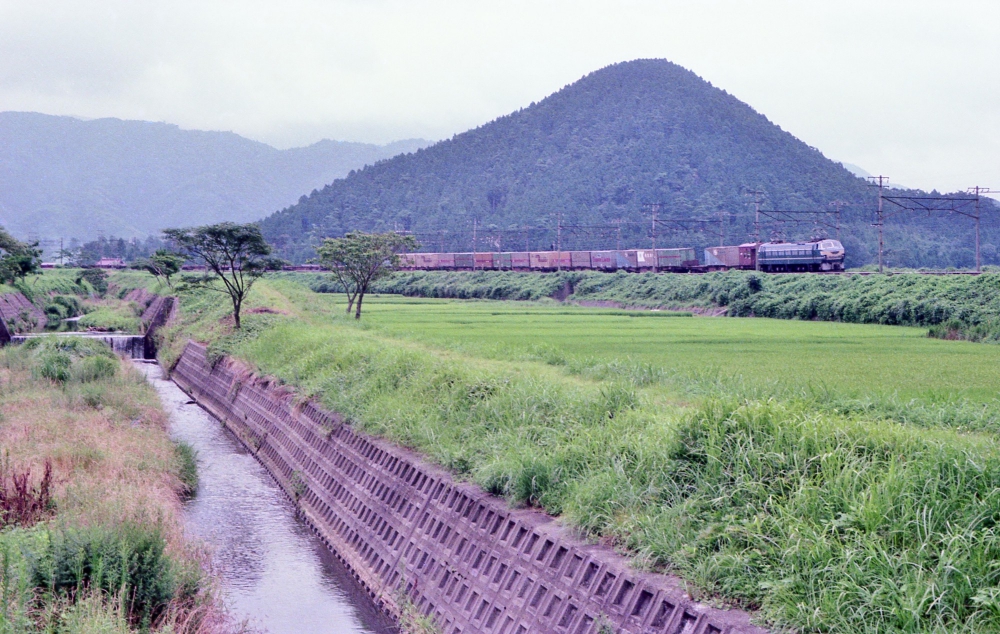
(446,261)
(464,261)
(722,257)
(579,259)
(407,261)
(679,259)
(503,261)
(425,261)
(645,258)
(603,260)
(520,261)
(628,260)
(542,260)
(484,260)
(748,255)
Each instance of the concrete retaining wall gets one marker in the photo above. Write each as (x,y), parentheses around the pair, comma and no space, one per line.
(408,531)
(14,305)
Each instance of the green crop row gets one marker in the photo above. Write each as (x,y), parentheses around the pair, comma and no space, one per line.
(953,306)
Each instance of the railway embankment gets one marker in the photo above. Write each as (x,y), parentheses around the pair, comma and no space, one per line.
(950,306)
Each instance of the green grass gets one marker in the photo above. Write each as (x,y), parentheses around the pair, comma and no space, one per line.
(112,316)
(957,306)
(823,474)
(851,359)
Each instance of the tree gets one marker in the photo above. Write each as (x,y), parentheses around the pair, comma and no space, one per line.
(358,259)
(162,263)
(97,279)
(17,259)
(237,256)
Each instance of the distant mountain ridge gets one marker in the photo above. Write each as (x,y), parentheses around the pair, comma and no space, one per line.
(598,152)
(66,177)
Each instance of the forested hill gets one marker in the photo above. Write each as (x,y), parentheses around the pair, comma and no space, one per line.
(64,177)
(632,133)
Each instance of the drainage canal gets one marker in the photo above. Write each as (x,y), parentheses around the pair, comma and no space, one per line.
(274,572)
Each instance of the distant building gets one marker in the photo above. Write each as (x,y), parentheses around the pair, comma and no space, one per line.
(110,263)
(48,265)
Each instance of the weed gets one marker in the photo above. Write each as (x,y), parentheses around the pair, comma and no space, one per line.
(187,467)
(22,502)
(297,484)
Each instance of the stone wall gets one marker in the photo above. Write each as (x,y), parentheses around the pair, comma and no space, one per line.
(413,535)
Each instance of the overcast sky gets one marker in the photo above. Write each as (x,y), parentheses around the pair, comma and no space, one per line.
(906,89)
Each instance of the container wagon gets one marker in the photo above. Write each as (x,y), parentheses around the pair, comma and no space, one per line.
(676,259)
(646,259)
(483,260)
(579,260)
(721,258)
(446,260)
(743,256)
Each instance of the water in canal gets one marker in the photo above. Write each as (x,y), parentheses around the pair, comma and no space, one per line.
(273,570)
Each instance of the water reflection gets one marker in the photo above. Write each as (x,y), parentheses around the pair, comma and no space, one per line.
(274,571)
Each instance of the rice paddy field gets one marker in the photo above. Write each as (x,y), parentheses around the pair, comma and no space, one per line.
(829,477)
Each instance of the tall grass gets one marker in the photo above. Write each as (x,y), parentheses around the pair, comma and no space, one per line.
(105,552)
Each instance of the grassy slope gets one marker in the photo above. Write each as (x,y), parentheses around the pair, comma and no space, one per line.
(116,487)
(832,487)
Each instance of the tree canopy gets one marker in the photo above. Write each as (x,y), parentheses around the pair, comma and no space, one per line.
(358,259)
(17,259)
(161,263)
(235,255)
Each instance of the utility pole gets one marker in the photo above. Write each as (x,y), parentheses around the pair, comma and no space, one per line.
(881,181)
(474,223)
(656,258)
(977,190)
(756,219)
(838,205)
(559,241)
(722,228)
(618,225)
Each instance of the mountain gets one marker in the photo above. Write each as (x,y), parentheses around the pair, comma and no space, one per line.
(599,150)
(61,176)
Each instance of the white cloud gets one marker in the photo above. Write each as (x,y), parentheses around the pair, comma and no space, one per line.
(902,88)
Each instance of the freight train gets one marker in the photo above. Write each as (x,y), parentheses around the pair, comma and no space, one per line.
(817,255)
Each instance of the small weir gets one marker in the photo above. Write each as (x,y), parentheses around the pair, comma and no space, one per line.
(274,571)
(127,346)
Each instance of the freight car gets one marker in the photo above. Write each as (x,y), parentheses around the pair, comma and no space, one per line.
(742,257)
